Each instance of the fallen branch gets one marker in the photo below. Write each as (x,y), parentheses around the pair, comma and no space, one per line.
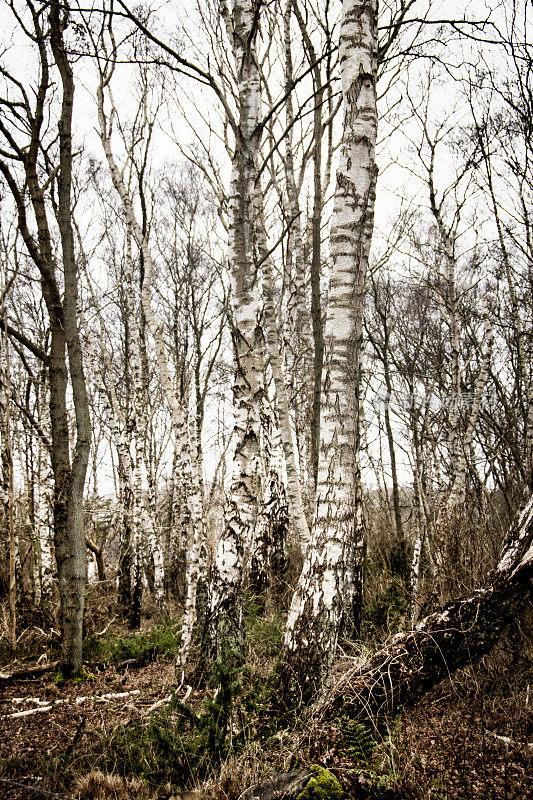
(105,630)
(38,671)
(165,700)
(34,789)
(78,701)
(35,700)
(28,672)
(510,742)
(29,712)
(77,736)
(159,703)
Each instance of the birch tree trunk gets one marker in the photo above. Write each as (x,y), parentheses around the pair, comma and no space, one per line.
(457,494)
(43,525)
(179,417)
(143,502)
(69,479)
(282,403)
(325,603)
(7,512)
(421,521)
(225,608)
(299,345)
(124,517)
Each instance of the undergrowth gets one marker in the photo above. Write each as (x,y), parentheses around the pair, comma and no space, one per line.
(160,643)
(179,745)
(264,633)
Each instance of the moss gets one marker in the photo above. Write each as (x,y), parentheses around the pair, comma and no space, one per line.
(322,786)
(64,676)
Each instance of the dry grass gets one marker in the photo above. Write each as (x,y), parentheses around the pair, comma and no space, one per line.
(97,786)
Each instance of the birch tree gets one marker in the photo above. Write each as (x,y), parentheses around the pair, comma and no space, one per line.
(225,611)
(178,413)
(326,603)
(8,494)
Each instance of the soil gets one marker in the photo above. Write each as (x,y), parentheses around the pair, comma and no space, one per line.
(441,749)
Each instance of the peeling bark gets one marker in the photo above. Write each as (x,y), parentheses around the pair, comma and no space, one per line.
(43,524)
(282,403)
(298,345)
(326,603)
(225,612)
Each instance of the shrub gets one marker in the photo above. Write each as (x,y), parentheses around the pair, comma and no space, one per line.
(385,613)
(263,634)
(178,745)
(159,643)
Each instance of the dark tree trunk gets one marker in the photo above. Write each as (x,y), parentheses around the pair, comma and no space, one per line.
(99,556)
(71,656)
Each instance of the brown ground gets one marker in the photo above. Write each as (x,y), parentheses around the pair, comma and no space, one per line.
(32,748)
(442,749)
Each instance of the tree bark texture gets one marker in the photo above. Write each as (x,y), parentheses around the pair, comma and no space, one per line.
(225,612)
(75,551)
(326,603)
(460,632)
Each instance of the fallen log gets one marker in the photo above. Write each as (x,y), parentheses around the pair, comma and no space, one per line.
(27,672)
(461,632)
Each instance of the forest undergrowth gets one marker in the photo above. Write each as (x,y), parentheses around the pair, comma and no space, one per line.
(125,729)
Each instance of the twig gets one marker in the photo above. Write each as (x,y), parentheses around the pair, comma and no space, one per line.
(159,703)
(77,736)
(510,742)
(165,700)
(35,789)
(105,630)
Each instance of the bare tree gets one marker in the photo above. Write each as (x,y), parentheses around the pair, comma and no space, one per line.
(21,166)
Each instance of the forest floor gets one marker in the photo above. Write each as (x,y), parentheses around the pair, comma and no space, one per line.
(446,747)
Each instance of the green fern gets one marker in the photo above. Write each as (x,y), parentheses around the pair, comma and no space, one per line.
(359,743)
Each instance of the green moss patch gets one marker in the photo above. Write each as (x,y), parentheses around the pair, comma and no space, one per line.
(322,786)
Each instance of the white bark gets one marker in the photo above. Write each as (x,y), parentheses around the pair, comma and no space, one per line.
(196,569)
(194,500)
(282,403)
(298,340)
(143,505)
(225,612)
(421,528)
(458,633)
(457,494)
(326,594)
(43,522)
